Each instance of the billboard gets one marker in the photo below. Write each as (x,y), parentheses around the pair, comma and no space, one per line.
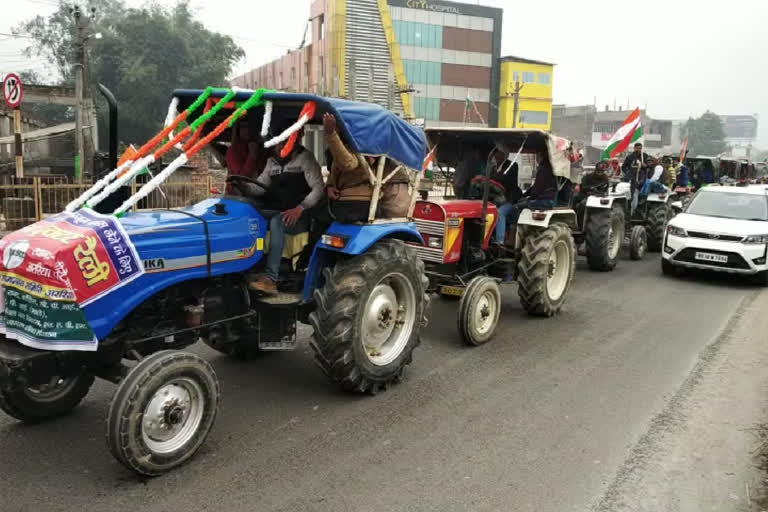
(740,127)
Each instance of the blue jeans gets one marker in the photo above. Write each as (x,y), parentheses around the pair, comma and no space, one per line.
(510,213)
(276,242)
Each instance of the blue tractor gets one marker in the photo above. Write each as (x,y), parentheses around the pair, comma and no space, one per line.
(360,287)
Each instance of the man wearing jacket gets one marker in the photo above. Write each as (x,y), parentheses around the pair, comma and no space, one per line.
(289,186)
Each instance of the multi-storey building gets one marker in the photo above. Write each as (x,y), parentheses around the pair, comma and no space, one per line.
(431,60)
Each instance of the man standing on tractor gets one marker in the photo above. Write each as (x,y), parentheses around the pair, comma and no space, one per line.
(635,171)
(289,186)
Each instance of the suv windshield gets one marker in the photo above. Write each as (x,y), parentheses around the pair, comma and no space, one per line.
(729,206)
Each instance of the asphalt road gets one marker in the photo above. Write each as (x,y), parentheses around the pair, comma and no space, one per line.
(545,418)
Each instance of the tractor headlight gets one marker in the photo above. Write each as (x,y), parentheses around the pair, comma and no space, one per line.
(676,231)
(756,239)
(435,242)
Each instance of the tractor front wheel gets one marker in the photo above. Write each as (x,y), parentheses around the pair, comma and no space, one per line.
(545,269)
(604,235)
(368,316)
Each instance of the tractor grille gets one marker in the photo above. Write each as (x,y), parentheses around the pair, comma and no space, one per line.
(428,253)
(735,260)
(715,236)
(430,227)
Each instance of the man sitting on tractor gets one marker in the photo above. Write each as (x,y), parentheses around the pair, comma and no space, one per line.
(541,195)
(349,185)
(591,183)
(289,186)
(246,155)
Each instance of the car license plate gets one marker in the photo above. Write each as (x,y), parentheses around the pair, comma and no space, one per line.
(708,256)
(456,291)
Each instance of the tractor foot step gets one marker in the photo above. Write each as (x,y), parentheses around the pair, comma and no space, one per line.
(280,299)
(278,345)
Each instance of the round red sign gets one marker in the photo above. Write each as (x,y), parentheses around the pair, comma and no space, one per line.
(12,93)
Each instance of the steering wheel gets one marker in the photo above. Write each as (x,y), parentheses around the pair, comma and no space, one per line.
(234,178)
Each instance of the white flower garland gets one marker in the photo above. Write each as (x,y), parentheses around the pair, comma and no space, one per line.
(295,127)
(153,183)
(137,166)
(265,122)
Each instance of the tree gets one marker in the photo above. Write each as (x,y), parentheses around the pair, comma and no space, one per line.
(142,55)
(706,135)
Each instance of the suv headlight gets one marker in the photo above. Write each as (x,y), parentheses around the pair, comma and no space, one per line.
(676,231)
(756,239)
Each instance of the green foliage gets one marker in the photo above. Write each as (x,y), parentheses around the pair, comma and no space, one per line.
(706,135)
(143,54)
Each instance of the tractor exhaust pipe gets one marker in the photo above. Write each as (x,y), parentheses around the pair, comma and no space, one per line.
(112,124)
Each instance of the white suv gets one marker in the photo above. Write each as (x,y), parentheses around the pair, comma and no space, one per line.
(723,229)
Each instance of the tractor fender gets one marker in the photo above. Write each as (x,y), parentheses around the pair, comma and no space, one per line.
(357,238)
(658,198)
(600,202)
(562,215)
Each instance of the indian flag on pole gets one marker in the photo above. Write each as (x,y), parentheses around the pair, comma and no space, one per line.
(628,133)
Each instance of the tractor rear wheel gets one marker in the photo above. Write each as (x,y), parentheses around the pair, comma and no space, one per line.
(658,214)
(545,269)
(604,236)
(368,316)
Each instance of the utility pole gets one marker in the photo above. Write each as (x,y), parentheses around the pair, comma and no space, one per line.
(84,139)
(516,107)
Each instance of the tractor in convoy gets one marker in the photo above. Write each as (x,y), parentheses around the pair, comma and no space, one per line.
(119,294)
(462,257)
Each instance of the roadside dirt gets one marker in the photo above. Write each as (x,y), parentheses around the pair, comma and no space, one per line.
(708,449)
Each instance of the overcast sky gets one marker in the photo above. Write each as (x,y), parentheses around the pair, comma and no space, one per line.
(677,57)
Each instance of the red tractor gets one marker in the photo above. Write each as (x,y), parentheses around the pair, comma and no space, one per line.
(461,254)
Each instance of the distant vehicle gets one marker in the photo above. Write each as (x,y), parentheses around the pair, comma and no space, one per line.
(724,229)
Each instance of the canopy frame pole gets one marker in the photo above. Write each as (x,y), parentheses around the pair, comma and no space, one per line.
(414,195)
(376,189)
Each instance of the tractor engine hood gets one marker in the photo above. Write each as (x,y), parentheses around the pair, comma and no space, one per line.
(52,269)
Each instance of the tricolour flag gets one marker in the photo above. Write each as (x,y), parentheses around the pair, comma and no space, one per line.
(430,157)
(629,132)
(683,148)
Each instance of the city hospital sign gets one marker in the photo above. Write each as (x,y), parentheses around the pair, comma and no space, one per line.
(429,6)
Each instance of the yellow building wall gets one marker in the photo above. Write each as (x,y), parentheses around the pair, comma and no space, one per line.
(535,96)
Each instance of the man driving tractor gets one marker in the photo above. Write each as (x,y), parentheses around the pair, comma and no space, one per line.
(289,186)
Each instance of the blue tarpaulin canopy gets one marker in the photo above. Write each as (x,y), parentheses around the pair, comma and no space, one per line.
(366,128)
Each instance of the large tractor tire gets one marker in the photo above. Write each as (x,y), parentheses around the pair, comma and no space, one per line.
(545,269)
(32,404)
(604,236)
(658,214)
(368,317)
(162,411)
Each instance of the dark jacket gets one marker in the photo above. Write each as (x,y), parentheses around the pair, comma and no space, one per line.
(297,181)
(627,167)
(544,185)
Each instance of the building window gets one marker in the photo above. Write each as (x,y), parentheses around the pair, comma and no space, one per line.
(293,76)
(544,78)
(321,27)
(515,76)
(529,77)
(533,117)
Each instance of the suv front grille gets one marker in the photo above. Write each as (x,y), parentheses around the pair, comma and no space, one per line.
(715,236)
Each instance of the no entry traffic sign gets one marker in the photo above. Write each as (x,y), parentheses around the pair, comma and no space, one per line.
(12,90)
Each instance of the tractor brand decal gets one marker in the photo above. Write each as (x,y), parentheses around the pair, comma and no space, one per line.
(53,268)
(452,223)
(253,227)
(154,264)
(452,245)
(14,254)
(426,209)
(489,223)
